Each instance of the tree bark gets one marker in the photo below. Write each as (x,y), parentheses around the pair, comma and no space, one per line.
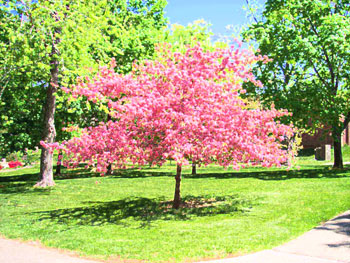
(59,165)
(49,131)
(194,168)
(177,198)
(109,167)
(338,156)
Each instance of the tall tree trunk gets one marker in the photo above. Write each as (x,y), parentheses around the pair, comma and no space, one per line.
(338,156)
(194,168)
(49,131)
(177,198)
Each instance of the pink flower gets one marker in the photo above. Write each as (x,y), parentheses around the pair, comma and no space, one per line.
(181,107)
(14,164)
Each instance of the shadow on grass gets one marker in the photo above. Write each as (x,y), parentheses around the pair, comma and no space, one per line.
(322,172)
(76,173)
(24,183)
(137,173)
(278,174)
(19,184)
(146,210)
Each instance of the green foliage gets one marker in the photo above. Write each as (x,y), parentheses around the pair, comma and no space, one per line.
(135,31)
(182,36)
(27,157)
(12,157)
(86,34)
(308,42)
(242,211)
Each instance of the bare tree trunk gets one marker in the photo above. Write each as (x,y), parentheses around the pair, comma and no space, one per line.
(59,165)
(338,156)
(49,131)
(194,168)
(109,167)
(177,198)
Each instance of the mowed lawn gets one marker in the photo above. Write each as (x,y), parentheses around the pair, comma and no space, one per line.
(128,215)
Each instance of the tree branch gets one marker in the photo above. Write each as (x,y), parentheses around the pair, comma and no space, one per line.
(255,19)
(329,64)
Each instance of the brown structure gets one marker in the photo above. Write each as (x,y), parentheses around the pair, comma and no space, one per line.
(321,138)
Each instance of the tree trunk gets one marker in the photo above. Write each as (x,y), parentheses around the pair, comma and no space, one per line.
(338,156)
(194,168)
(59,165)
(109,167)
(177,199)
(49,131)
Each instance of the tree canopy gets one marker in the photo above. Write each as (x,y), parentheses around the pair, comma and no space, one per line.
(50,43)
(308,44)
(91,33)
(185,106)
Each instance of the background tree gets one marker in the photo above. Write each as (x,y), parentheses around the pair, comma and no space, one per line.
(183,107)
(19,107)
(64,38)
(308,42)
(181,37)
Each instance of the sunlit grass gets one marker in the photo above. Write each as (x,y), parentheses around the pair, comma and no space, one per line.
(129,214)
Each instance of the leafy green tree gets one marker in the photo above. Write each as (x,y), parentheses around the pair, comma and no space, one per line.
(53,42)
(21,93)
(180,36)
(308,42)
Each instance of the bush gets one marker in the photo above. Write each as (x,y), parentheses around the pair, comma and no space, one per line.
(27,157)
(12,157)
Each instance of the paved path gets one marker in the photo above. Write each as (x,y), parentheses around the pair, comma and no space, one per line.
(329,243)
(13,251)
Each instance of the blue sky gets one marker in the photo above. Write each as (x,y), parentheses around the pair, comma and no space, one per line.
(218,12)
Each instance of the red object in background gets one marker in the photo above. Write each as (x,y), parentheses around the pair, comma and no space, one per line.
(14,164)
(1,167)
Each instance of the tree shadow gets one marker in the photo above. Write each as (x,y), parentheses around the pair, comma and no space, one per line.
(277,175)
(82,172)
(140,173)
(322,172)
(147,210)
(339,225)
(77,173)
(24,183)
(20,184)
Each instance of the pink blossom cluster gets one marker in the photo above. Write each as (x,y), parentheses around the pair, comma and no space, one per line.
(184,106)
(52,146)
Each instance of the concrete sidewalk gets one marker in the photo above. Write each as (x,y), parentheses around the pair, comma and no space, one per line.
(329,243)
(13,251)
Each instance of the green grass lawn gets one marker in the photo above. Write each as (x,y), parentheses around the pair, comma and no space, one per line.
(128,215)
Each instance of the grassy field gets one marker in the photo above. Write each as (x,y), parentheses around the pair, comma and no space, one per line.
(128,215)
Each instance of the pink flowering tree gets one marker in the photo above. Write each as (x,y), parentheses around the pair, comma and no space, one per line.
(184,106)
